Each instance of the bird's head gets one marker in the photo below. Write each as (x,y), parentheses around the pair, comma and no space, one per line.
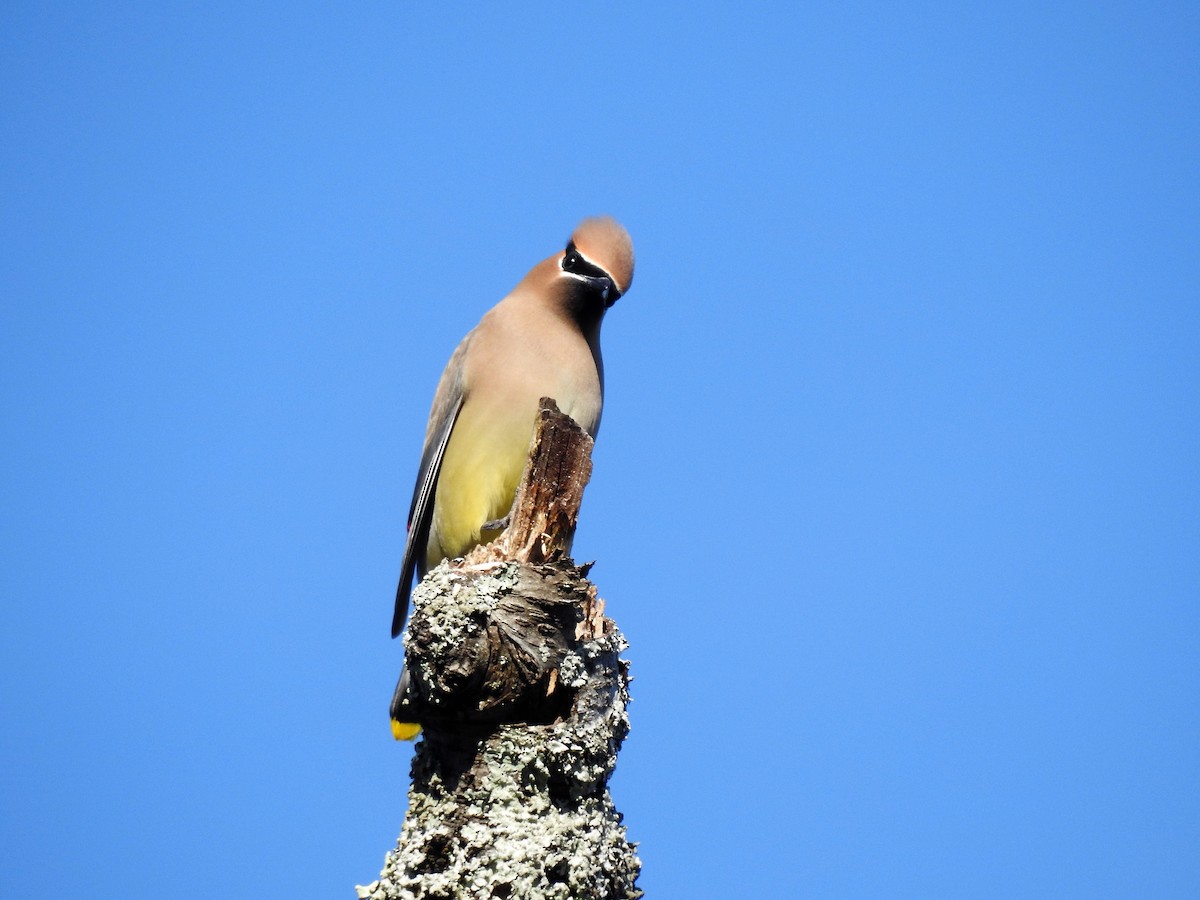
(600,255)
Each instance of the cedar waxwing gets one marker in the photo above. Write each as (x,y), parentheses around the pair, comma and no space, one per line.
(542,340)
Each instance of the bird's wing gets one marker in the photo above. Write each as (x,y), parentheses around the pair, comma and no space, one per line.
(446,405)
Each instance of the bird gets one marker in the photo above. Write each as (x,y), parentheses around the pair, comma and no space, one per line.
(541,340)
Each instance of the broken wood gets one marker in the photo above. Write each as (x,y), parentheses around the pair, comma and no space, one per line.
(517,681)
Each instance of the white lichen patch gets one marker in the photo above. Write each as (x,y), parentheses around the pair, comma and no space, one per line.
(522,811)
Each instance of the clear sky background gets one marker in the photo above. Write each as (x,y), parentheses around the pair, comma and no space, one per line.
(897,497)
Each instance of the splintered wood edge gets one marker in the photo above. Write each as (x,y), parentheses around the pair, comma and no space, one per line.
(593,625)
(546,509)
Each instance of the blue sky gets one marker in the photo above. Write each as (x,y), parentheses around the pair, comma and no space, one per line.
(896,498)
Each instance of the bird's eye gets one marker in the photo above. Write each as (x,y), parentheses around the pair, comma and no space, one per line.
(572,261)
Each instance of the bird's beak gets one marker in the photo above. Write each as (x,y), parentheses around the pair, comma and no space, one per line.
(609,291)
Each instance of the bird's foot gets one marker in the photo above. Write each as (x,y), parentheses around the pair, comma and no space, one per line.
(497,524)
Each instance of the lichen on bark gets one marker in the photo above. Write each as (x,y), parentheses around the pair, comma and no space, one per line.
(513,809)
(515,675)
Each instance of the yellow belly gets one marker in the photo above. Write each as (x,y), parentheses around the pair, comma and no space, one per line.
(480,471)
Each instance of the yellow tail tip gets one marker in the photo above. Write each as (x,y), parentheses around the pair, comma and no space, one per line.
(405,731)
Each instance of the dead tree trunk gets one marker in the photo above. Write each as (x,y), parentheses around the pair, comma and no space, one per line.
(516,679)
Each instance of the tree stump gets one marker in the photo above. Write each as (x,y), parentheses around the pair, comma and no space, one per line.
(517,681)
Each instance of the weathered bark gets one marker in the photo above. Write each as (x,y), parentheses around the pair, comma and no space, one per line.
(516,679)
